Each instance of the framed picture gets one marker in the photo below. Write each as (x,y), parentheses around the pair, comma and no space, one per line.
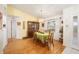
(42,24)
(1,20)
(19,23)
(23,24)
(51,25)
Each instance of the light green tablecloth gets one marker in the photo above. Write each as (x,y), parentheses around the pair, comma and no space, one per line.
(42,36)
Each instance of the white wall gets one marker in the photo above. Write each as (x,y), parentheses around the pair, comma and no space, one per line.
(57,29)
(19,29)
(41,21)
(1,40)
(9,27)
(23,32)
(3,31)
(68,14)
(57,25)
(23,17)
(14,31)
(20,32)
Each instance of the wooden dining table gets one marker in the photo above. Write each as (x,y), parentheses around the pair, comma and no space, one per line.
(44,37)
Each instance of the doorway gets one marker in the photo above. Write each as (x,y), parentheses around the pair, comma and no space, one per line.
(11,23)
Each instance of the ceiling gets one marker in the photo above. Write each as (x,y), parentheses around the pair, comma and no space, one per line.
(42,10)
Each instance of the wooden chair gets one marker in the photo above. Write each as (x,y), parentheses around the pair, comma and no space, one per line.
(50,40)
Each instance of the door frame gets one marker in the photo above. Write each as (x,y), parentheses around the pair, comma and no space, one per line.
(10,19)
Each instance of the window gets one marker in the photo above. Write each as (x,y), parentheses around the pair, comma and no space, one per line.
(75,30)
(51,25)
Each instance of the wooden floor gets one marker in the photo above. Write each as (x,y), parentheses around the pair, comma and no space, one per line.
(27,46)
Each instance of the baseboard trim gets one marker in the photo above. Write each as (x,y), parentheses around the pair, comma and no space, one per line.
(25,37)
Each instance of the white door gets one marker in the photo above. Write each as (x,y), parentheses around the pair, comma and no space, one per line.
(13,28)
(9,28)
(11,23)
(75,27)
(71,27)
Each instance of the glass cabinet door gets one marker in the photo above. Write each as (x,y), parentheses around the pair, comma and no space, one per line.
(75,31)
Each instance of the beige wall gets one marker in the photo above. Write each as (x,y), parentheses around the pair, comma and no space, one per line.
(23,17)
(40,24)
